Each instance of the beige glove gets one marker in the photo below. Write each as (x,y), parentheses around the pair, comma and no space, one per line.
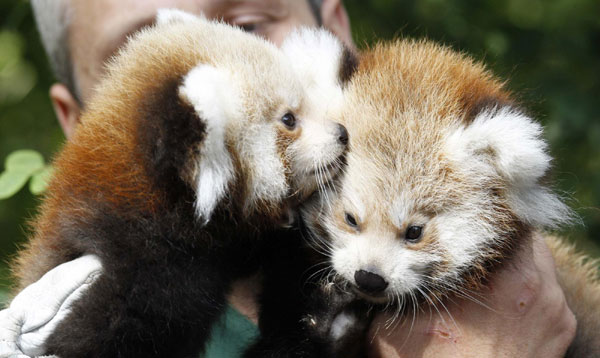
(36,311)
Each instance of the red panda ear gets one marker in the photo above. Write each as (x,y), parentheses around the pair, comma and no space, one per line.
(508,140)
(316,55)
(504,142)
(214,96)
(166,16)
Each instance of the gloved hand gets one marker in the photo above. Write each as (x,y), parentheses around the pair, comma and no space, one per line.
(35,312)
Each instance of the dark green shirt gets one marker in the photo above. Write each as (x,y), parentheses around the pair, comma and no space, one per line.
(231,335)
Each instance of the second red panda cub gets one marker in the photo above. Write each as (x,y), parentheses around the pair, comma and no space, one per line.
(444,182)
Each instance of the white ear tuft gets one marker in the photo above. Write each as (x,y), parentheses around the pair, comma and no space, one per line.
(171,16)
(540,207)
(504,142)
(214,96)
(315,55)
(507,139)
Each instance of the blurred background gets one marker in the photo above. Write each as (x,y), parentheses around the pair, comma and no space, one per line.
(549,50)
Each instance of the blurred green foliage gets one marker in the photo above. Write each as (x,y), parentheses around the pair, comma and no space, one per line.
(549,50)
(26,116)
(20,167)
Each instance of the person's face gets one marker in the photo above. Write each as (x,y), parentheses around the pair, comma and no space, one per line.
(99,27)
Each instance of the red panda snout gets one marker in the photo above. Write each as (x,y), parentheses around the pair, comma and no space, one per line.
(317,156)
(370,282)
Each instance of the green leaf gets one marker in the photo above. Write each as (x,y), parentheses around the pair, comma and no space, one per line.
(24,161)
(39,181)
(3,298)
(11,182)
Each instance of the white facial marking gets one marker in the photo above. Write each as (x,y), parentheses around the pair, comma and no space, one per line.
(462,232)
(318,145)
(401,208)
(268,178)
(214,97)
(355,207)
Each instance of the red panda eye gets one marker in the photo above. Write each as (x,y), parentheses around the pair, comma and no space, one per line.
(413,233)
(289,120)
(350,220)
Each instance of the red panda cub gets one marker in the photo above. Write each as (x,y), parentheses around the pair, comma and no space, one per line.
(196,144)
(446,178)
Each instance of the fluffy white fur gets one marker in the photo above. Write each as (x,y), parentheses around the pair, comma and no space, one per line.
(213,96)
(317,55)
(269,181)
(505,142)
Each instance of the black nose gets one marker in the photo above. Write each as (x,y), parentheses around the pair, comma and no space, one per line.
(342,134)
(369,282)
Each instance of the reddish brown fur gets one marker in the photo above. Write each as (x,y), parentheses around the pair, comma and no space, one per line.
(410,60)
(103,145)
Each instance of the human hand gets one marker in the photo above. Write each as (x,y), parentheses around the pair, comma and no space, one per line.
(35,312)
(522,313)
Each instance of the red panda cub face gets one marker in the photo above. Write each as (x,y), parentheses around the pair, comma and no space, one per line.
(442,179)
(322,66)
(267,113)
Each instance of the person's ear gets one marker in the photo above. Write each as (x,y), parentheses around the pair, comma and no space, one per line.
(66,107)
(335,19)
